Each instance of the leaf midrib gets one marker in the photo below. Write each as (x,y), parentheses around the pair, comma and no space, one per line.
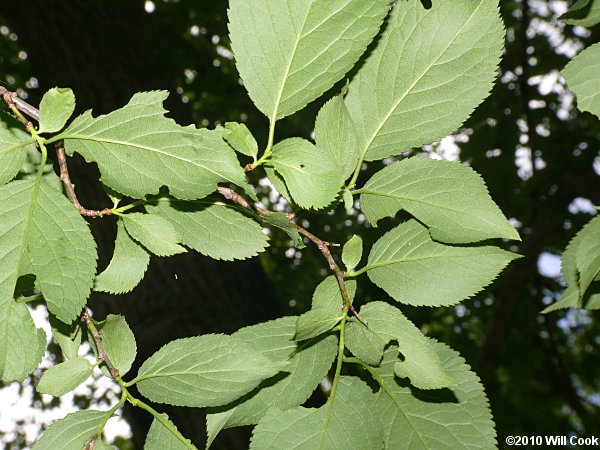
(410,88)
(143,147)
(419,200)
(398,261)
(5,319)
(16,147)
(289,65)
(22,248)
(178,373)
(29,219)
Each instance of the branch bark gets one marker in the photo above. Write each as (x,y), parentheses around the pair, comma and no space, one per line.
(322,245)
(97,336)
(12,99)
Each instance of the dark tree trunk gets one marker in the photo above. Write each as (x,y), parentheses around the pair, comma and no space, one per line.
(106,50)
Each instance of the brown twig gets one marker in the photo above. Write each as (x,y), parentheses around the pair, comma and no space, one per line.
(18,105)
(91,444)
(98,340)
(322,245)
(76,330)
(11,99)
(339,274)
(64,176)
(22,105)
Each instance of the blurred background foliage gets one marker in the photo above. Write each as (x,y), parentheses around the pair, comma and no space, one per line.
(539,156)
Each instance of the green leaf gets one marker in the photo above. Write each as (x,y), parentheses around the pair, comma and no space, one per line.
(386,323)
(570,299)
(430,69)
(334,132)
(364,343)
(327,295)
(118,342)
(415,270)
(309,363)
(459,417)
(62,335)
(155,233)
(72,432)
(352,252)
(568,267)
(587,256)
(241,140)
(64,377)
(451,199)
(585,13)
(22,345)
(139,150)
(348,422)
(101,445)
(31,167)
(209,370)
(25,285)
(592,298)
(160,437)
(127,265)
(579,266)
(13,151)
(115,197)
(348,200)
(582,75)
(280,220)
(314,323)
(311,176)
(43,234)
(306,46)
(215,230)
(56,107)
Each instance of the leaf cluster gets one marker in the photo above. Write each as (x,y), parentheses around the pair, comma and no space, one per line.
(581,259)
(427,72)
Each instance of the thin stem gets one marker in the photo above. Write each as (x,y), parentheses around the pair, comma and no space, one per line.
(20,116)
(372,372)
(92,442)
(115,408)
(158,416)
(140,378)
(338,371)
(352,182)
(18,106)
(66,179)
(22,105)
(40,142)
(381,264)
(323,246)
(31,298)
(124,208)
(269,150)
(340,357)
(358,272)
(97,336)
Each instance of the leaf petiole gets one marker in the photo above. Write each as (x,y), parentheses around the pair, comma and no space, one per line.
(166,423)
(336,377)
(124,208)
(269,150)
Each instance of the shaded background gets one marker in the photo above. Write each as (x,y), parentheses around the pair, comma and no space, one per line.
(539,156)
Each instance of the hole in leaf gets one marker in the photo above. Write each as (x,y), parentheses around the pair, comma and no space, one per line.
(25,286)
(426,4)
